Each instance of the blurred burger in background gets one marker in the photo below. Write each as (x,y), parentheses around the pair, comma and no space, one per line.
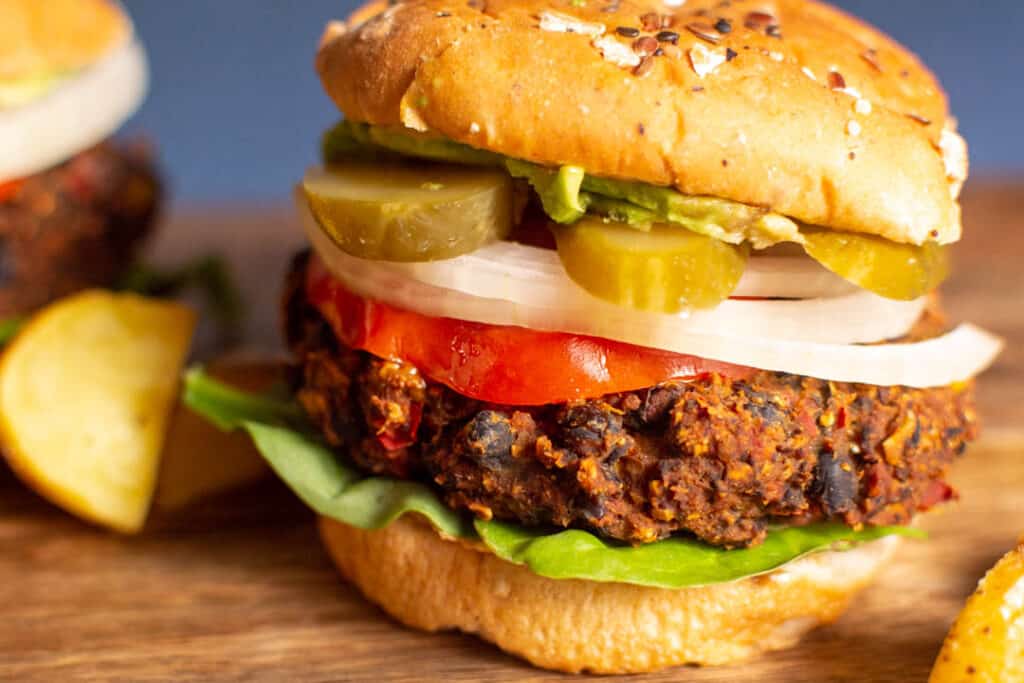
(74,206)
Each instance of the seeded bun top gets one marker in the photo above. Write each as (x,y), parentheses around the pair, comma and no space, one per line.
(788,104)
(41,37)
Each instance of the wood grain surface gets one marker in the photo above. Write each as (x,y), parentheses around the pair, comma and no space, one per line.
(238,589)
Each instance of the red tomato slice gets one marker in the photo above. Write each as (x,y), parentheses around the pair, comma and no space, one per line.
(9,189)
(496,363)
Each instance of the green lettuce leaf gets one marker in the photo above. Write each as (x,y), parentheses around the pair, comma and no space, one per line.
(336,490)
(676,562)
(309,468)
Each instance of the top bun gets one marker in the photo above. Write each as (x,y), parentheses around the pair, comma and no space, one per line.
(788,104)
(40,37)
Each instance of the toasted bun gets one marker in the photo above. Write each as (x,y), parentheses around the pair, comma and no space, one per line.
(39,37)
(433,584)
(769,127)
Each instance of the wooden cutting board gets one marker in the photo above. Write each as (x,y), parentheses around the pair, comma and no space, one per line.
(237,588)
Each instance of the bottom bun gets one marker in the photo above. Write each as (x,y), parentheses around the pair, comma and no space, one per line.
(434,584)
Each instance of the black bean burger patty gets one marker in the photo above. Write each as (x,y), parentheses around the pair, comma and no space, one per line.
(719,458)
(74,226)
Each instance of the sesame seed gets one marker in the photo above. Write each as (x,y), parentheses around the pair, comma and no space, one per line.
(809,73)
(871,57)
(759,21)
(627,31)
(668,37)
(723,26)
(474,127)
(836,80)
(854,128)
(777,56)
(863,107)
(704,32)
(731,54)
(919,119)
(645,46)
(644,67)
(651,21)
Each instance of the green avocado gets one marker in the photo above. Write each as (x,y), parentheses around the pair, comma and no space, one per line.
(558,189)
(620,211)
(349,140)
(568,192)
(722,219)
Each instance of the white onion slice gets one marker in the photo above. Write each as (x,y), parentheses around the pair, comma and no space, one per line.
(507,270)
(790,277)
(77,114)
(512,284)
(956,356)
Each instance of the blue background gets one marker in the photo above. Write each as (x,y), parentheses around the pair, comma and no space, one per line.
(237,110)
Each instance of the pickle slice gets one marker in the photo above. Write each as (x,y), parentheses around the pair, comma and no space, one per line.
(409,212)
(667,269)
(895,271)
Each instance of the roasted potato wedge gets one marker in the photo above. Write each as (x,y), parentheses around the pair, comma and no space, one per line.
(86,391)
(200,460)
(986,644)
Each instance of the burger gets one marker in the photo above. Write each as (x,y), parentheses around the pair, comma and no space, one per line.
(73,206)
(618,344)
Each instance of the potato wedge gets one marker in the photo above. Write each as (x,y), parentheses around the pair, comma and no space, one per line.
(86,390)
(986,644)
(200,460)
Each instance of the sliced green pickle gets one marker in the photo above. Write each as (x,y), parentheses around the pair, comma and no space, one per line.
(895,271)
(409,212)
(666,270)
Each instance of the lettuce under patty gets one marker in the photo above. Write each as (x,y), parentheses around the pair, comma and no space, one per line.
(334,489)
